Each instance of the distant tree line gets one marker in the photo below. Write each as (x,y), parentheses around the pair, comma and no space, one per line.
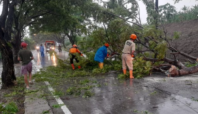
(168,14)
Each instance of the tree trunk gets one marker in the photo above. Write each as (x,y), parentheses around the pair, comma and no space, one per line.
(71,39)
(8,75)
(6,20)
(63,42)
(185,71)
(17,43)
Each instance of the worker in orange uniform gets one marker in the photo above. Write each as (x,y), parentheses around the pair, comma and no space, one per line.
(101,54)
(73,51)
(128,54)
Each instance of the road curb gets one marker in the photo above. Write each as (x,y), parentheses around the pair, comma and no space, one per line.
(34,103)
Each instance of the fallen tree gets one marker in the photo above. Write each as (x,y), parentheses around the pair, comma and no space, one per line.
(152,44)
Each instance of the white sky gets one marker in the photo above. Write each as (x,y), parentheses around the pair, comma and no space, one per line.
(178,6)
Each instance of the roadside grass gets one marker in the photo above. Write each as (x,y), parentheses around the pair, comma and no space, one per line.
(46,112)
(80,82)
(194,99)
(141,112)
(9,108)
(153,93)
(58,105)
(12,98)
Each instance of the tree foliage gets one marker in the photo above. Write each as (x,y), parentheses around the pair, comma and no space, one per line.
(168,14)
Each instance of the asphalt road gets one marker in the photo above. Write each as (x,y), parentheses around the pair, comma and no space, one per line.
(156,94)
(48,60)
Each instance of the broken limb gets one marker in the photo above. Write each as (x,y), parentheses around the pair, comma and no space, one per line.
(174,71)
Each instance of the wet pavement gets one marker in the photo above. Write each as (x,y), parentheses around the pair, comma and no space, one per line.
(156,94)
(48,60)
(128,97)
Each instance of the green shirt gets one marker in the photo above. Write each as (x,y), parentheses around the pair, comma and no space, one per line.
(25,56)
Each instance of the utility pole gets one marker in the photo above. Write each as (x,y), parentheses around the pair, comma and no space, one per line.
(157,14)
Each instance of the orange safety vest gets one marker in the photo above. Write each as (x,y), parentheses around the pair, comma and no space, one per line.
(74,50)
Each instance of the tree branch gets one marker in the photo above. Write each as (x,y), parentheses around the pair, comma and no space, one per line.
(38,15)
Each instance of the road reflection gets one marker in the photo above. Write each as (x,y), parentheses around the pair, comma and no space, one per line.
(47,60)
(54,60)
(38,59)
(128,83)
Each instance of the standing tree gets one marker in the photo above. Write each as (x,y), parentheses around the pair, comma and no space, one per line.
(166,13)
(6,21)
(29,13)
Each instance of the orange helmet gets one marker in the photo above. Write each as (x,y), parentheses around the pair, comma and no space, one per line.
(106,44)
(74,45)
(23,44)
(133,36)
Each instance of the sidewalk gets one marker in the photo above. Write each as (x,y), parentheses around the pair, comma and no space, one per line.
(34,103)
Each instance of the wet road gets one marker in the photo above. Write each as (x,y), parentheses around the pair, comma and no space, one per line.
(128,97)
(48,60)
(39,62)
(155,94)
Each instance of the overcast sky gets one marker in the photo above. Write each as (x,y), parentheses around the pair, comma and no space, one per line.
(178,6)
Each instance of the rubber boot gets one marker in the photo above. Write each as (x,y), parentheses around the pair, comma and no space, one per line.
(79,67)
(101,65)
(124,71)
(73,67)
(131,74)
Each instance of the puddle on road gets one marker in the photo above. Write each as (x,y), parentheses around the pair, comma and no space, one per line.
(54,60)
(42,62)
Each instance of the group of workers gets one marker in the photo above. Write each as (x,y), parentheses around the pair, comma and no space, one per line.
(101,54)
(26,56)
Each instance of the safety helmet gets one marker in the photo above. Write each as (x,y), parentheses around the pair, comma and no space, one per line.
(23,44)
(74,45)
(133,36)
(106,44)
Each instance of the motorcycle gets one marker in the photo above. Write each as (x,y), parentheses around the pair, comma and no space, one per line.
(59,49)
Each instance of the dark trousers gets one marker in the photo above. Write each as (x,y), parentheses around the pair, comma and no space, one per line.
(72,59)
(42,54)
